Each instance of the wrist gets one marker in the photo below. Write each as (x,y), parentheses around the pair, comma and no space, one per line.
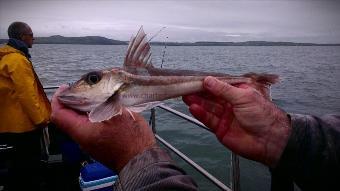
(143,163)
(123,160)
(277,140)
(141,139)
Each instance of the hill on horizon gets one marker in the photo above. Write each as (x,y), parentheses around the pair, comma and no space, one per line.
(88,40)
(98,40)
(91,40)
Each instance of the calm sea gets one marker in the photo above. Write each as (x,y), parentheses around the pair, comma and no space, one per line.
(310,85)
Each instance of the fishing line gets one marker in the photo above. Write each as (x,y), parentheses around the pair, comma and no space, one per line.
(164,43)
(156,34)
(163,53)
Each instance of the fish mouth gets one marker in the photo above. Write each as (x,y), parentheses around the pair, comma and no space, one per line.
(72,100)
(77,103)
(67,97)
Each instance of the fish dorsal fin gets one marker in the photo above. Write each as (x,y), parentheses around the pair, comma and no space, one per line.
(106,110)
(139,51)
(144,106)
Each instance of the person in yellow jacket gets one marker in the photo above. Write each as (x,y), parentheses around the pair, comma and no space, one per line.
(24,108)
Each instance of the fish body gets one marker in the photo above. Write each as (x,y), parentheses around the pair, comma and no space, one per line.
(139,86)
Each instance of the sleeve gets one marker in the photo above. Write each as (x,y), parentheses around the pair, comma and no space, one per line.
(26,87)
(153,170)
(311,158)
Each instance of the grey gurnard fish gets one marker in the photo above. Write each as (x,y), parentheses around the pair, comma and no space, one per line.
(139,86)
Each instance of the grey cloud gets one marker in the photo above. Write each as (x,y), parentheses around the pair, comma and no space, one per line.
(195,20)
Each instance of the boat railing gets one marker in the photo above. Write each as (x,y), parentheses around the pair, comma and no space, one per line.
(234,171)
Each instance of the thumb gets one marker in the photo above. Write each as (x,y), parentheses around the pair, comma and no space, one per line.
(66,119)
(221,89)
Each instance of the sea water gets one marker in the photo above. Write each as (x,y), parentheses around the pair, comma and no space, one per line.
(310,84)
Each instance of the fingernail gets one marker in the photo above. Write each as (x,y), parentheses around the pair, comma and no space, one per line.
(210,82)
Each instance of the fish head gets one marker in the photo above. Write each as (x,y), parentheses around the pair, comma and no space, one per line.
(93,89)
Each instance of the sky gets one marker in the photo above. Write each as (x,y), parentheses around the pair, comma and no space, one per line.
(315,21)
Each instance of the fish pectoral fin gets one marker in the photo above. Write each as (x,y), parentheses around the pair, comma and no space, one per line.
(106,110)
(144,106)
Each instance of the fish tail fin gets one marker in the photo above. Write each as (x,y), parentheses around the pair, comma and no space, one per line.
(262,82)
(139,51)
(263,78)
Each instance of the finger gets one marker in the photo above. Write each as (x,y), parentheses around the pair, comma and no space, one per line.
(222,129)
(55,101)
(210,106)
(208,119)
(60,89)
(243,86)
(224,124)
(222,89)
(190,99)
(69,121)
(58,109)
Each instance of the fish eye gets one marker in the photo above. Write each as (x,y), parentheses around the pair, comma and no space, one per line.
(93,78)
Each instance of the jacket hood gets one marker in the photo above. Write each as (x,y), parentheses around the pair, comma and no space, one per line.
(6,49)
(19,45)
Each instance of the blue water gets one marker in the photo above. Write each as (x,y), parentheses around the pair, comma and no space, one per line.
(310,84)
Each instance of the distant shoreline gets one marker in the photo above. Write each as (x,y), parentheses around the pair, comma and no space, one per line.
(98,40)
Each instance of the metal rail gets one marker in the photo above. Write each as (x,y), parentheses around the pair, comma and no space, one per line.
(183,116)
(193,164)
(235,171)
(51,87)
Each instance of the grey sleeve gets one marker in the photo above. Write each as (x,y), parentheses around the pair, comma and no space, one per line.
(153,170)
(311,158)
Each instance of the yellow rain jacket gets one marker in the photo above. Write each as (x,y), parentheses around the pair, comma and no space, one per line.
(23,102)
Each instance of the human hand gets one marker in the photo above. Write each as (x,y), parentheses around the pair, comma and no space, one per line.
(113,142)
(242,119)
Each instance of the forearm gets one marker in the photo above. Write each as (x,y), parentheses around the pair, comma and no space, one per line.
(311,157)
(153,170)
(278,137)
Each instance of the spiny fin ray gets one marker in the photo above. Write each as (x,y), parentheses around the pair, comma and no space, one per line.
(139,51)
